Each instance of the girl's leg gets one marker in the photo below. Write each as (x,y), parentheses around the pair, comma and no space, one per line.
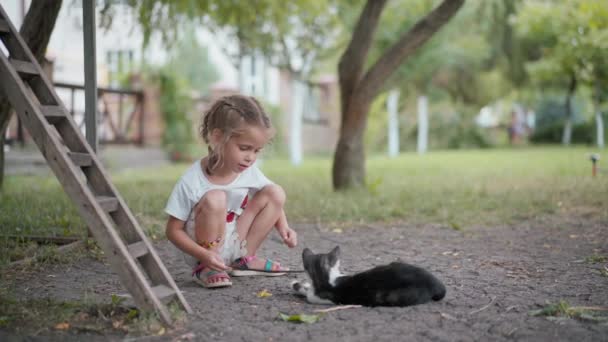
(210,220)
(260,216)
(209,232)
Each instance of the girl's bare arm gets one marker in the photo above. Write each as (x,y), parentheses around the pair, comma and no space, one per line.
(290,237)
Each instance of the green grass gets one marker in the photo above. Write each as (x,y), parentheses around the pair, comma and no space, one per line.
(111,319)
(454,188)
(458,188)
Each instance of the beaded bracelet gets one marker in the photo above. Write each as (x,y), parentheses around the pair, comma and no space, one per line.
(211,244)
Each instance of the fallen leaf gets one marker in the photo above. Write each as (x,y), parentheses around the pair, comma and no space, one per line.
(337,230)
(300,318)
(160,332)
(185,337)
(264,293)
(117,324)
(62,326)
(448,316)
(81,316)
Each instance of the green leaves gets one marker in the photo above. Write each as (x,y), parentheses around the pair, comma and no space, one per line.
(557,309)
(288,33)
(568,36)
(299,318)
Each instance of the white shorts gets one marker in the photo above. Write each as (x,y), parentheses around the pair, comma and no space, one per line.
(232,249)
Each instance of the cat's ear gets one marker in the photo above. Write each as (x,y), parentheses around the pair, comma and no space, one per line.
(334,256)
(335,253)
(306,253)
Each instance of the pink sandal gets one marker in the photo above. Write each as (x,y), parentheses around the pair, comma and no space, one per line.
(240,268)
(211,278)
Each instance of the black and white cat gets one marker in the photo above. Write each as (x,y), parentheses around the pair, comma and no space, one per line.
(395,284)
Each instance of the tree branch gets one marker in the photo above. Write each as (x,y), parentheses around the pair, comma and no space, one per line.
(286,54)
(307,61)
(350,67)
(422,31)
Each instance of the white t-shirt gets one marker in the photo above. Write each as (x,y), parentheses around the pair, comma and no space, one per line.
(194,184)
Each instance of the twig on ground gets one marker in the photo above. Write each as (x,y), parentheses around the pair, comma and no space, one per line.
(590,308)
(511,308)
(448,316)
(61,249)
(336,308)
(483,307)
(511,332)
(56,240)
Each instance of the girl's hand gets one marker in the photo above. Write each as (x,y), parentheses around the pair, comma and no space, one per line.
(289,236)
(213,261)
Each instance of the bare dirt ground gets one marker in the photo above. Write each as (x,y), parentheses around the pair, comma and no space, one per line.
(494,277)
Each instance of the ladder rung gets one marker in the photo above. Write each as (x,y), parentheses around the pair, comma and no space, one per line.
(138,249)
(24,68)
(4,26)
(81,159)
(109,204)
(163,293)
(54,114)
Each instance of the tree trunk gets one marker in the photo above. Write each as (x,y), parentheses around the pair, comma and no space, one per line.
(423,124)
(36,31)
(599,121)
(567,133)
(295,120)
(358,89)
(349,159)
(392,107)
(4,108)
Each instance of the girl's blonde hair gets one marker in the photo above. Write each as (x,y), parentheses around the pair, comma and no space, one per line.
(230,114)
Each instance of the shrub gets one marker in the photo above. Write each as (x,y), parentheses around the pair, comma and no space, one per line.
(583,133)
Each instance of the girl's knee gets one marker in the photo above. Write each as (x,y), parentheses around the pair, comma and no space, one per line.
(275,194)
(213,201)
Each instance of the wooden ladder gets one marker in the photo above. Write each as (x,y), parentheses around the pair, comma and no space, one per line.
(130,253)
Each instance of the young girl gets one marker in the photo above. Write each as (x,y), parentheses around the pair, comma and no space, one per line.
(223,207)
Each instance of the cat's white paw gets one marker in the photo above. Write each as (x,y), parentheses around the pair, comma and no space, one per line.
(296,285)
(301,288)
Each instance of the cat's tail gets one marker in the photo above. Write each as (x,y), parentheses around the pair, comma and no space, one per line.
(438,291)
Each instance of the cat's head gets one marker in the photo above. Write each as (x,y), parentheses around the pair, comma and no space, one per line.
(322,269)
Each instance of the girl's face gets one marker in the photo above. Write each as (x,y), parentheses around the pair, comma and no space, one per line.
(241,151)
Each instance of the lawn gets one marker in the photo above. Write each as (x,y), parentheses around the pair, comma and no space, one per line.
(457,189)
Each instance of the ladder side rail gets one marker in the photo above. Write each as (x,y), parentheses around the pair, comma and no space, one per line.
(124,265)
(98,179)
(160,275)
